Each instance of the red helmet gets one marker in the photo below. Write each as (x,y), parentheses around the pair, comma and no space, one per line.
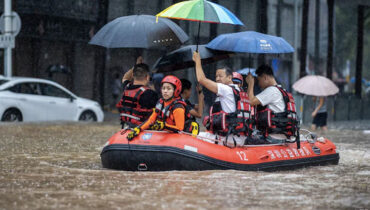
(238,78)
(174,81)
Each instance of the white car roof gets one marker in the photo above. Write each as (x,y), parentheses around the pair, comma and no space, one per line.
(14,80)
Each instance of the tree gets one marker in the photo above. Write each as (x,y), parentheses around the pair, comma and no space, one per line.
(303,53)
(329,63)
(360,47)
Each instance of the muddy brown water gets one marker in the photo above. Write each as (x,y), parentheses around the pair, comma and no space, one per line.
(57,166)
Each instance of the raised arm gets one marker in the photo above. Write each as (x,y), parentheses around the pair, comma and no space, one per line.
(198,112)
(201,77)
(321,103)
(252,98)
(130,73)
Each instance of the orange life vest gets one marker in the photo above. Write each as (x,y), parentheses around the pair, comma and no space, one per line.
(164,113)
(130,109)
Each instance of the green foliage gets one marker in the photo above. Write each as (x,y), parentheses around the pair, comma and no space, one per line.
(346,37)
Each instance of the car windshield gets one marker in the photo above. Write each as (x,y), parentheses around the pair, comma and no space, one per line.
(2,81)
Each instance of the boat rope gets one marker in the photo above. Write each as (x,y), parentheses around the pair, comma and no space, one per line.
(308,137)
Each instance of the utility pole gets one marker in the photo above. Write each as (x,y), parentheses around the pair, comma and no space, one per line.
(295,54)
(278,17)
(317,36)
(100,55)
(7,31)
(262,23)
(360,49)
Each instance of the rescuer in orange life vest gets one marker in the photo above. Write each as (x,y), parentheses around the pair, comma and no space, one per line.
(276,116)
(138,100)
(170,112)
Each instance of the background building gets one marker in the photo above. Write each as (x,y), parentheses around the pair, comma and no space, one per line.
(58,32)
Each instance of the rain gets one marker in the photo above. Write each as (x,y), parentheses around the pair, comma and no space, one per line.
(73,50)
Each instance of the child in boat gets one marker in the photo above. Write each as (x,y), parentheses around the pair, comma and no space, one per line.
(169,112)
(196,111)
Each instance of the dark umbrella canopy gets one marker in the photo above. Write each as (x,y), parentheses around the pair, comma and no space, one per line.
(139,31)
(183,58)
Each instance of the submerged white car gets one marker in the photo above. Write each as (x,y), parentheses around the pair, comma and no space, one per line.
(30,99)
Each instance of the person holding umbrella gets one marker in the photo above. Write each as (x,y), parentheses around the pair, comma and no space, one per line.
(319,114)
(229,115)
(138,100)
(238,80)
(276,117)
(320,87)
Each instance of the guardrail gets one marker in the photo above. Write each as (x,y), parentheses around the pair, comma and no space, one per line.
(340,108)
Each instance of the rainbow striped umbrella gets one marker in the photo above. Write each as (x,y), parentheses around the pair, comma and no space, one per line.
(200,11)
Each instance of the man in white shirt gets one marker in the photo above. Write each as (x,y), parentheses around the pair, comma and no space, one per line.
(225,96)
(270,96)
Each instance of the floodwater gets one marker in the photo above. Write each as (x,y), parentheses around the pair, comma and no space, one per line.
(57,166)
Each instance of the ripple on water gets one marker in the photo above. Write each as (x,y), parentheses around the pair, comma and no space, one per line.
(42,170)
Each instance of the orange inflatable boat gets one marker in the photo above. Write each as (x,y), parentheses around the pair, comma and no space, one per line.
(162,151)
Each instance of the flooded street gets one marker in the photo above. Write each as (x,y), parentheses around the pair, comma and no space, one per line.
(57,166)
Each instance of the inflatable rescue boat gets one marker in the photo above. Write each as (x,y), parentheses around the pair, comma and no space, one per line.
(162,151)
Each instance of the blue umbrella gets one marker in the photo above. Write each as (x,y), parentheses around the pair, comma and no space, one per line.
(139,31)
(246,71)
(250,42)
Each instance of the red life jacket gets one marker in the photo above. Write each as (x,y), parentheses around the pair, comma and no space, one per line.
(130,109)
(164,113)
(286,122)
(238,122)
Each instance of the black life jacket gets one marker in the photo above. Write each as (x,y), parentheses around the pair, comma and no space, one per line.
(189,107)
(132,113)
(286,122)
(164,113)
(238,122)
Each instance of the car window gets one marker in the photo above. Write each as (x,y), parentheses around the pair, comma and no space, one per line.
(50,90)
(2,81)
(26,88)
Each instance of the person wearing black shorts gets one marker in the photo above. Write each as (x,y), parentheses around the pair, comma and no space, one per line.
(319,114)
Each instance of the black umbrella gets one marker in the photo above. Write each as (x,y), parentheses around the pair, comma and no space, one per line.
(139,31)
(183,58)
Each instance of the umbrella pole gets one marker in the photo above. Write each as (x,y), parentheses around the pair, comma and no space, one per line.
(198,35)
(195,71)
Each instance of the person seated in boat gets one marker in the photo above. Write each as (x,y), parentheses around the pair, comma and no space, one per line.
(276,116)
(229,119)
(196,111)
(138,100)
(170,112)
(238,80)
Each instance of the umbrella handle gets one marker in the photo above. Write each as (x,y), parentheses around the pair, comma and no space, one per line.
(138,53)
(198,35)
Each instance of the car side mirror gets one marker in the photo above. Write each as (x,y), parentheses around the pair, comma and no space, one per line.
(71,99)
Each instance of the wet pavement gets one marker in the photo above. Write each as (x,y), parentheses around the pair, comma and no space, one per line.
(57,166)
